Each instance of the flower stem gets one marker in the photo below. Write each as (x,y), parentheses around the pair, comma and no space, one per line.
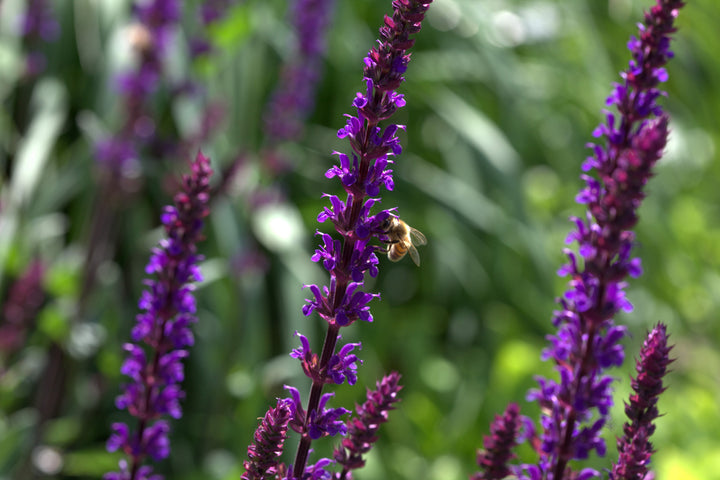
(314,400)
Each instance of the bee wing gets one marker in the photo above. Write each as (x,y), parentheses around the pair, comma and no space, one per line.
(417,237)
(414,254)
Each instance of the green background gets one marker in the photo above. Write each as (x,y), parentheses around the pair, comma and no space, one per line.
(502,97)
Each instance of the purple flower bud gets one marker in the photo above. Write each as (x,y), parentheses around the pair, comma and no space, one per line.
(267,448)
(634,447)
(493,460)
(362,428)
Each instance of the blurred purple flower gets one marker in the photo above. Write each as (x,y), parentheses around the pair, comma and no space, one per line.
(576,407)
(634,446)
(149,37)
(24,300)
(317,470)
(37,24)
(39,21)
(159,17)
(168,310)
(209,12)
(294,97)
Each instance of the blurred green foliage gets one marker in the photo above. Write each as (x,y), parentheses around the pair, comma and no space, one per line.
(502,97)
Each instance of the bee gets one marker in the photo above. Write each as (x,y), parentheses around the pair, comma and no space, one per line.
(140,38)
(401,239)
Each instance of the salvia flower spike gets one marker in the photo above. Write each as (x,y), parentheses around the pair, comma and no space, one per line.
(362,428)
(575,407)
(498,446)
(587,342)
(363,174)
(162,334)
(634,447)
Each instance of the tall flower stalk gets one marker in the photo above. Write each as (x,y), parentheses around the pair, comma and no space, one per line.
(587,341)
(576,407)
(363,173)
(162,335)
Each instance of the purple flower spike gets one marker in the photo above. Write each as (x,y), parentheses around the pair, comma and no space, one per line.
(363,173)
(634,446)
(294,98)
(150,35)
(37,25)
(21,306)
(587,342)
(504,431)
(154,362)
(363,427)
(269,443)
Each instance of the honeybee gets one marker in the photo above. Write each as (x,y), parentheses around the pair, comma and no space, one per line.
(401,239)
(140,38)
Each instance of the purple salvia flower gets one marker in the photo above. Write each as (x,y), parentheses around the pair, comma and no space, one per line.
(362,428)
(37,24)
(498,446)
(587,342)
(318,423)
(160,17)
(317,470)
(294,97)
(38,21)
(149,36)
(270,437)
(363,174)
(210,12)
(341,366)
(634,446)
(154,361)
